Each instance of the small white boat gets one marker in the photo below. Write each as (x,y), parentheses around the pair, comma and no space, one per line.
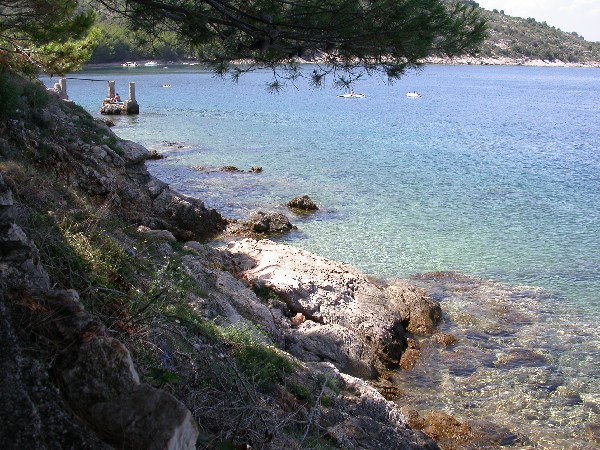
(151,63)
(413,95)
(166,85)
(352,95)
(129,64)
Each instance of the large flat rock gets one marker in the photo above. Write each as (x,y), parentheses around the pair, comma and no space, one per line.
(352,320)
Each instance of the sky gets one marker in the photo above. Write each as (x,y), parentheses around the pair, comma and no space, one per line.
(581,16)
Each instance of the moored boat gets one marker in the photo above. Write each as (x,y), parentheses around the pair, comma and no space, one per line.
(351,94)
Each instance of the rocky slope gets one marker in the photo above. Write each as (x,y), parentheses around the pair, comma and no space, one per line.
(253,344)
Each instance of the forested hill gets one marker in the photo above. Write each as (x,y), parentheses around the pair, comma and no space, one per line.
(510,40)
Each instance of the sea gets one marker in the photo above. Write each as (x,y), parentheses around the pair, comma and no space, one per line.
(484,191)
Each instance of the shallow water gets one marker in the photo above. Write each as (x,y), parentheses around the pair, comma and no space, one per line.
(494,172)
(523,361)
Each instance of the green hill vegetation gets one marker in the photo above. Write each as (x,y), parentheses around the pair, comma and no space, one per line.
(117,42)
(514,37)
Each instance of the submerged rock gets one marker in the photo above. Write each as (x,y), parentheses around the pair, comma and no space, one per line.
(410,358)
(445,339)
(521,357)
(592,432)
(442,426)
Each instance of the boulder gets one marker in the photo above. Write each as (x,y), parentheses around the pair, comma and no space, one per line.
(185,217)
(420,314)
(444,339)
(134,153)
(230,169)
(159,235)
(102,386)
(410,358)
(268,222)
(303,203)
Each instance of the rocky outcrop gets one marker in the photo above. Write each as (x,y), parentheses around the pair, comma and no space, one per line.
(354,415)
(352,321)
(71,384)
(88,156)
(92,374)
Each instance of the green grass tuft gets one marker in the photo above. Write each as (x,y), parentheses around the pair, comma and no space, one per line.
(263,364)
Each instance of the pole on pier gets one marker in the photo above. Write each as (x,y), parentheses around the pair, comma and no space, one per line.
(62,93)
(111,89)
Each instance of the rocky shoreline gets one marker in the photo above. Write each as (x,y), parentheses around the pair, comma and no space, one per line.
(212,322)
(338,327)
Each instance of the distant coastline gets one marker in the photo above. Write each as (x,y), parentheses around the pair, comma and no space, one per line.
(506,61)
(458,61)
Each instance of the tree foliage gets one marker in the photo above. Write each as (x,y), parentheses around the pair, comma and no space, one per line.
(44,34)
(117,43)
(347,37)
(343,36)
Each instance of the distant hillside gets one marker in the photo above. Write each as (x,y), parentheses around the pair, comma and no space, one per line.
(514,40)
(517,37)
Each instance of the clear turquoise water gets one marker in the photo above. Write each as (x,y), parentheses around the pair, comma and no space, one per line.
(494,173)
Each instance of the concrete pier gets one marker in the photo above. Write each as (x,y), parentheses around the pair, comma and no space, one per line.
(112,105)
